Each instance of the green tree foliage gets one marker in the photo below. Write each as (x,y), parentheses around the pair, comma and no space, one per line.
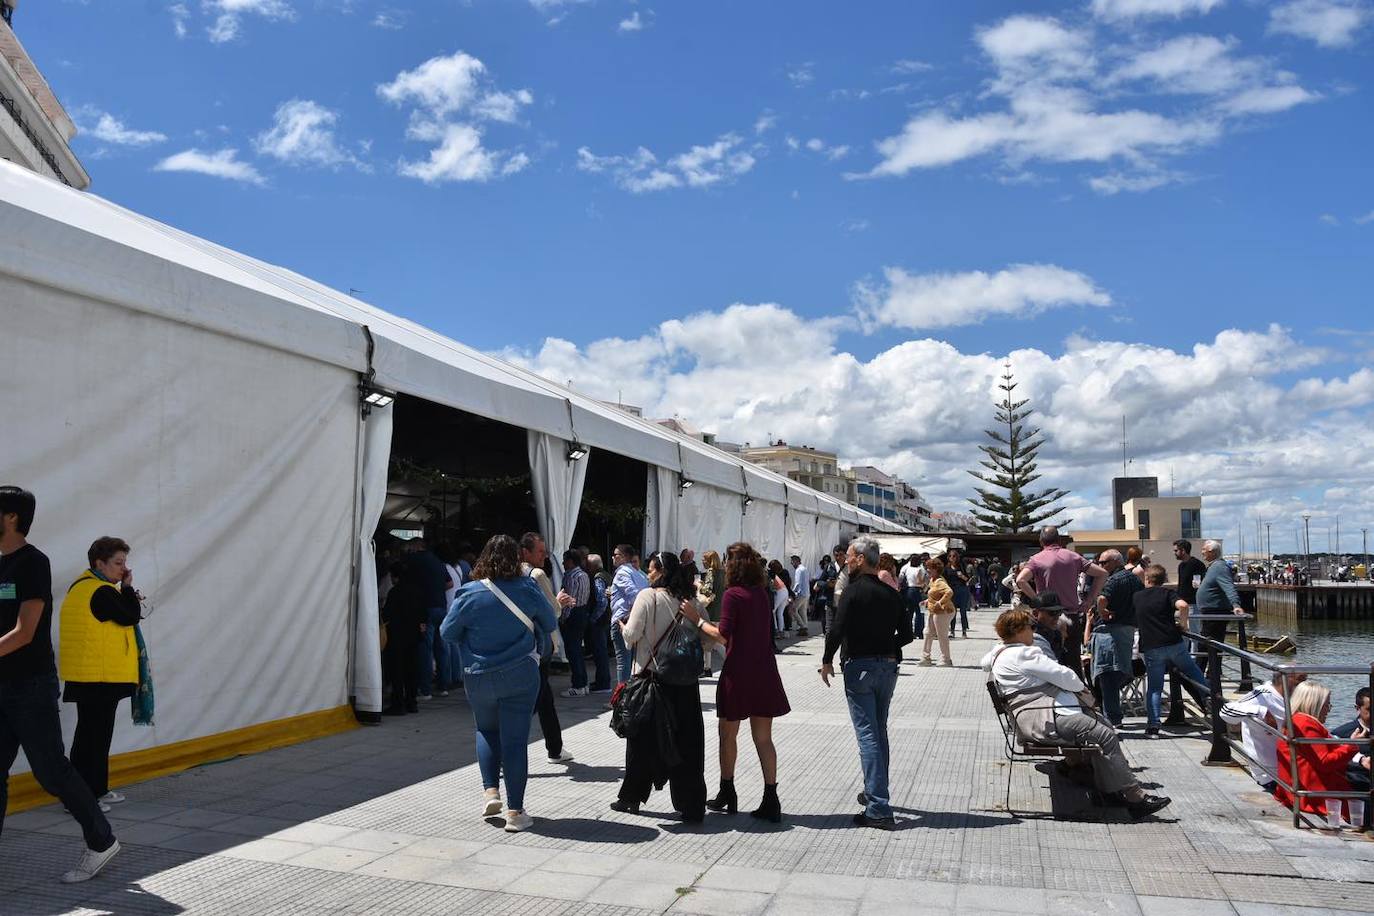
(1006,504)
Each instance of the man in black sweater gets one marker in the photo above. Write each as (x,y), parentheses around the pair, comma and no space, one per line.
(869,630)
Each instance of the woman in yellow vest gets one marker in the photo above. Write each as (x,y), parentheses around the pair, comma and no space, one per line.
(99,658)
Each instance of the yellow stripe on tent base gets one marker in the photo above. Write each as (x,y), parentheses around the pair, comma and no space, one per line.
(138,766)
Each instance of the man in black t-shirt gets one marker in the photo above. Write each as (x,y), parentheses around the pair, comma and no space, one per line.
(1162,644)
(1190,573)
(28,684)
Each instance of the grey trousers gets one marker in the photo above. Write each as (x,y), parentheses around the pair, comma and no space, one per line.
(1111,771)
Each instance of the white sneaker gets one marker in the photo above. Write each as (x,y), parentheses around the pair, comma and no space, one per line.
(442,693)
(517,821)
(947,663)
(563,757)
(492,806)
(925,663)
(425,696)
(574,692)
(112,798)
(90,865)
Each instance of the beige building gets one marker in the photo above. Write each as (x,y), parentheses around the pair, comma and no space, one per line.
(1153,523)
(813,467)
(34,127)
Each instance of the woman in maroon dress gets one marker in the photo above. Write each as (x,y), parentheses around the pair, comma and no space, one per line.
(749,687)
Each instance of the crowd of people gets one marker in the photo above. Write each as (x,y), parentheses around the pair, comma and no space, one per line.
(493,625)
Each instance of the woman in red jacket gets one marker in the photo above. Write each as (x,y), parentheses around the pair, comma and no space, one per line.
(1321,767)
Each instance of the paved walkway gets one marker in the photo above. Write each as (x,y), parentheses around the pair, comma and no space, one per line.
(383,820)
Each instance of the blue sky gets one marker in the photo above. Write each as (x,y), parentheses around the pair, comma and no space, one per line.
(758,214)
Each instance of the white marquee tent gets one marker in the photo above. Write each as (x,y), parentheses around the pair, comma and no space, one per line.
(204,406)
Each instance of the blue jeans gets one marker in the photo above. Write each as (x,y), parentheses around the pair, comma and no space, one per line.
(1110,683)
(913,606)
(29,720)
(868,687)
(596,642)
(435,652)
(962,599)
(1156,661)
(574,630)
(624,656)
(502,705)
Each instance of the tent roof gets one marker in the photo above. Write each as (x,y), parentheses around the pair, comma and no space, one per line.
(83,244)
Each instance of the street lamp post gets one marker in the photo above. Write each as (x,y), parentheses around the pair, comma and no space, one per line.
(1364,537)
(1307,548)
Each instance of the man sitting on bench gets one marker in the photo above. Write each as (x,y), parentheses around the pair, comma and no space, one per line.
(1049,705)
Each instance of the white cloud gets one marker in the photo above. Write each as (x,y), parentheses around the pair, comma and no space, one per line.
(109,129)
(802,75)
(907,66)
(1357,390)
(817,145)
(460,156)
(556,10)
(765,122)
(442,85)
(502,106)
(632,23)
(1134,182)
(1058,96)
(1330,219)
(303,134)
(701,166)
(219,164)
(441,90)
(1366,218)
(1149,9)
(390,19)
(1242,452)
(229,15)
(180,15)
(1329,23)
(943,300)
(1205,65)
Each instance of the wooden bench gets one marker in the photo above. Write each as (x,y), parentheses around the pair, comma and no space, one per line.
(1018,750)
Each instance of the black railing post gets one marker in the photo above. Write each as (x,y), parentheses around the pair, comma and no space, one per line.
(1176,716)
(1221,749)
(1246,684)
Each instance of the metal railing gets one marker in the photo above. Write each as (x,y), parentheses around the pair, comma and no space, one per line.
(1223,744)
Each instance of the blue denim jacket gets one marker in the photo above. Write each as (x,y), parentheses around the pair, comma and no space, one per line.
(489,637)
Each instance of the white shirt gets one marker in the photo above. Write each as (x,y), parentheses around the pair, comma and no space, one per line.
(912,576)
(1017,667)
(1259,744)
(801,581)
(456,578)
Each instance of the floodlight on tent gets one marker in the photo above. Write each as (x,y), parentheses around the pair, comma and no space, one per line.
(577,451)
(684,482)
(370,397)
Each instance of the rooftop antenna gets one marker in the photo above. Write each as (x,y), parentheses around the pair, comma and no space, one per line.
(1171,480)
(1123,445)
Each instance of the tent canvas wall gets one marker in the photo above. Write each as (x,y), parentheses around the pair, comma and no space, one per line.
(204,405)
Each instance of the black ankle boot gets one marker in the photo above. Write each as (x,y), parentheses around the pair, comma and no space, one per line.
(770,809)
(725,799)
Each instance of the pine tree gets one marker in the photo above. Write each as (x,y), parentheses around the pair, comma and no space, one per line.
(1010,466)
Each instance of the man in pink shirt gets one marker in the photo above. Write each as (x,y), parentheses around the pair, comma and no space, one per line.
(1055,569)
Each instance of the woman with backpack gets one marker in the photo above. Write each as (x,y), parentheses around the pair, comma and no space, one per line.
(677,707)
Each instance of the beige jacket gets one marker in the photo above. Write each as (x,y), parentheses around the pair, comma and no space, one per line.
(650,617)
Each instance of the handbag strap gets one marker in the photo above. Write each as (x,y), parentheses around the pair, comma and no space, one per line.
(653,653)
(510,605)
